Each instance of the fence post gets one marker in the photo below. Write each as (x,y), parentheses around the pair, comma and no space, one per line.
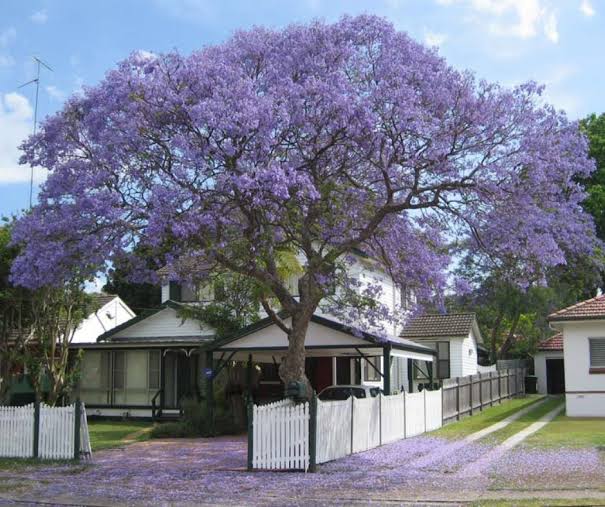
(352,432)
(470,396)
(491,389)
(499,386)
(36,427)
(250,433)
(379,418)
(481,382)
(405,415)
(77,422)
(424,410)
(313,434)
(457,398)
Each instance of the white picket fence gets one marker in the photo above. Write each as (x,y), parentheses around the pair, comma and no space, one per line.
(16,432)
(356,425)
(281,436)
(280,431)
(56,435)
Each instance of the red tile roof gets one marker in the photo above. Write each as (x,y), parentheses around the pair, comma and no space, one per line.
(590,309)
(432,325)
(553,343)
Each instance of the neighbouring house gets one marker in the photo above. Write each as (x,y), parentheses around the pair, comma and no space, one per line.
(549,365)
(455,337)
(110,312)
(583,328)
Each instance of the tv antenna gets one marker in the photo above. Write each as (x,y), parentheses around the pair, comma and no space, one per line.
(39,63)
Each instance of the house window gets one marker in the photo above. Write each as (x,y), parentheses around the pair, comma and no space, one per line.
(153,376)
(371,369)
(597,354)
(443,359)
(119,369)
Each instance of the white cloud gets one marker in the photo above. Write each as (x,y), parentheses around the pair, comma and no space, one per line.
(39,17)
(7,37)
(550,28)
(55,93)
(522,19)
(434,38)
(15,125)
(586,8)
(6,61)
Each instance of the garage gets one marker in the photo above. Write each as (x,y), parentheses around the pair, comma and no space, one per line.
(549,366)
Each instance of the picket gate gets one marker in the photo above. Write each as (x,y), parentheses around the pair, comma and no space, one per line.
(281,436)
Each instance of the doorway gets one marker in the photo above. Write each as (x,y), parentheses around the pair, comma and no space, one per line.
(555,376)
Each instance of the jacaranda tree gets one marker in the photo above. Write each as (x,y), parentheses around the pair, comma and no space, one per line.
(319,139)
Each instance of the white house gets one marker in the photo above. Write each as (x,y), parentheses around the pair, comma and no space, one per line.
(548,365)
(455,337)
(147,365)
(583,329)
(111,312)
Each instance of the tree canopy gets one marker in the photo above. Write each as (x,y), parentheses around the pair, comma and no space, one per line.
(320,139)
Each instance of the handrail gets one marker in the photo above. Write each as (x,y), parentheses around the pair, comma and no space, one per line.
(153,406)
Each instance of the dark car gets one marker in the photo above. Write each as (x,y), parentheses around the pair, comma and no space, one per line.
(344,392)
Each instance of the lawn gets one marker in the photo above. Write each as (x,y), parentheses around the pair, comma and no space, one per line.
(566,431)
(524,421)
(108,434)
(486,418)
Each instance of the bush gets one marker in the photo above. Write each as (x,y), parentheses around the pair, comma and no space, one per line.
(175,429)
(194,422)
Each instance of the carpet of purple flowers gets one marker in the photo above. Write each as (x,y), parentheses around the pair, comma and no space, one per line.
(213,471)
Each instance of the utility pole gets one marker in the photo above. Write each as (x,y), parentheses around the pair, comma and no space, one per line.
(39,63)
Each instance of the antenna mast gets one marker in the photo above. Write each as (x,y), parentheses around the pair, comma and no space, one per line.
(39,63)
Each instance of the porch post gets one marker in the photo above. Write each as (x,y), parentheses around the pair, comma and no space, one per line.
(410,375)
(162,379)
(210,390)
(386,366)
(249,378)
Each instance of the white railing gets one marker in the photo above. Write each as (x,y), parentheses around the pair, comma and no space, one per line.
(16,432)
(56,432)
(280,436)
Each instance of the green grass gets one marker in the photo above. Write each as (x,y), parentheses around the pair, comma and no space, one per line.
(566,431)
(524,421)
(537,502)
(108,434)
(486,418)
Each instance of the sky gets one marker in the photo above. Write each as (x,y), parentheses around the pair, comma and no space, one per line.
(556,42)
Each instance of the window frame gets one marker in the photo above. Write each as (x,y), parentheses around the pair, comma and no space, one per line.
(370,374)
(595,367)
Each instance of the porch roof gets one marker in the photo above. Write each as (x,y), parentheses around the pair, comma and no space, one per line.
(325,337)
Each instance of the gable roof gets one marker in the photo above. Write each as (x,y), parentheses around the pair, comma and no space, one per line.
(142,316)
(584,310)
(395,342)
(435,325)
(555,342)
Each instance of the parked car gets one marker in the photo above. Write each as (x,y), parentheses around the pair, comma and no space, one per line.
(344,392)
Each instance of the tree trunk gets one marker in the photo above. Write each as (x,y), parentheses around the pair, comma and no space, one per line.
(292,367)
(510,337)
(494,337)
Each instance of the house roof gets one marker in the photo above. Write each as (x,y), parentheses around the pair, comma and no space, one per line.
(395,342)
(102,298)
(432,325)
(555,342)
(585,310)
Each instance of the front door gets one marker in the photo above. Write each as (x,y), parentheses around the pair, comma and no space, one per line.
(555,376)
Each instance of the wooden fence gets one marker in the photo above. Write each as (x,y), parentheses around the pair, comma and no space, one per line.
(463,396)
(280,438)
(44,432)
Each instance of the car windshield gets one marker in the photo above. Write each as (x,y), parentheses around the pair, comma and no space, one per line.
(342,393)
